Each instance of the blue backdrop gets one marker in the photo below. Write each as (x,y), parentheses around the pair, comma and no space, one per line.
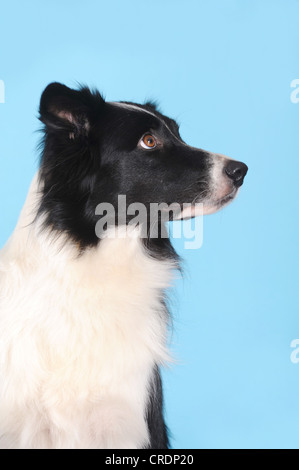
(223,68)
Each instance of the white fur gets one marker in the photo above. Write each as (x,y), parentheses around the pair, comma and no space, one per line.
(79,336)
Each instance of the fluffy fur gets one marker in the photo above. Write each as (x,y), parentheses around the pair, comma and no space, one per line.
(72,377)
(83,321)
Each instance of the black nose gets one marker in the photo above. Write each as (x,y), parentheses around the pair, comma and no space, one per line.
(236,171)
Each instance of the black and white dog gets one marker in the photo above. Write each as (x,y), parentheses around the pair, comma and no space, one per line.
(83,318)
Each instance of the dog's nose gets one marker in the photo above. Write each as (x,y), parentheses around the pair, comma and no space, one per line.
(236,171)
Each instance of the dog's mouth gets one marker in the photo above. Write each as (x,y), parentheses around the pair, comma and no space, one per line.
(212,206)
(206,207)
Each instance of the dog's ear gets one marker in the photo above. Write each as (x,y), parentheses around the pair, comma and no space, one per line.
(63,109)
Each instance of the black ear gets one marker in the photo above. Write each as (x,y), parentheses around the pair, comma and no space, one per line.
(68,110)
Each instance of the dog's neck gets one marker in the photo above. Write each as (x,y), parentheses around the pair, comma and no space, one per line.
(100,313)
(125,255)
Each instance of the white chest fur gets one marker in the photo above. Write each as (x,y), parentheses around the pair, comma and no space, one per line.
(79,336)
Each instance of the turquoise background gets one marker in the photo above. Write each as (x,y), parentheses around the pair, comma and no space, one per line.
(223,68)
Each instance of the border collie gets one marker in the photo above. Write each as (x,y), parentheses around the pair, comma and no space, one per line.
(83,316)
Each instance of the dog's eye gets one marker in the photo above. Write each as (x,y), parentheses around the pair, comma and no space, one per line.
(148,141)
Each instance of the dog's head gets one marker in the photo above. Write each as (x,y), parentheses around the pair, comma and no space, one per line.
(96,150)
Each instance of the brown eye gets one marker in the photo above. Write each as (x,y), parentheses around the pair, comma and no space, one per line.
(148,141)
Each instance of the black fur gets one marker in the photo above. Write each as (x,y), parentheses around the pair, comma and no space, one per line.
(91,154)
(154,415)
